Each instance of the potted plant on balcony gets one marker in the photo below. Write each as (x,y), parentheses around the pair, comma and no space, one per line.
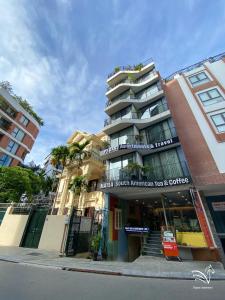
(116,69)
(145,172)
(133,169)
(138,67)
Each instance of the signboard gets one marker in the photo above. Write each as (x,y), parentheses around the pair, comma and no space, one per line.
(146,184)
(129,229)
(152,146)
(218,206)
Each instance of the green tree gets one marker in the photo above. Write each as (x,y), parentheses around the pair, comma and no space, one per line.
(59,155)
(78,153)
(78,184)
(15,181)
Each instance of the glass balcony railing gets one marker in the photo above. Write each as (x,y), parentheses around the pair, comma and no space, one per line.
(147,114)
(143,97)
(149,173)
(144,138)
(134,81)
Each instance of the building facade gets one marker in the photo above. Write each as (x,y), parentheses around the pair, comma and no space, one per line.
(165,160)
(92,168)
(18,131)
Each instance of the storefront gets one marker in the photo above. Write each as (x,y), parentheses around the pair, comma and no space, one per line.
(134,220)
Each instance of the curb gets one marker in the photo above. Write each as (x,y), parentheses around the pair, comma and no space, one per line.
(103,272)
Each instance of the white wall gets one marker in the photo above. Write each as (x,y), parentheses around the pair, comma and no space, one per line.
(12,228)
(52,234)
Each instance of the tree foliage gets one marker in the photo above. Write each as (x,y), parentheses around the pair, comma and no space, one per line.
(78,184)
(15,181)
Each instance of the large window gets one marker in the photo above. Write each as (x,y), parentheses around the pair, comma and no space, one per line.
(158,132)
(210,97)
(164,165)
(147,92)
(219,121)
(154,109)
(122,114)
(198,79)
(5,160)
(12,147)
(116,165)
(18,134)
(24,120)
(122,137)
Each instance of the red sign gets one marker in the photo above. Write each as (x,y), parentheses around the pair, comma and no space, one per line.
(170,249)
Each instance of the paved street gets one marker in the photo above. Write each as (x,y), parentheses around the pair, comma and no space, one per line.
(20,282)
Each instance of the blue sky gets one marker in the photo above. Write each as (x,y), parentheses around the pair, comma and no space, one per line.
(57,53)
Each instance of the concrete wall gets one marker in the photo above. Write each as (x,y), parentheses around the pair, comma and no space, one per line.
(52,233)
(12,228)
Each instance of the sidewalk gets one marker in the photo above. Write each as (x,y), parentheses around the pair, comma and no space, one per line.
(142,267)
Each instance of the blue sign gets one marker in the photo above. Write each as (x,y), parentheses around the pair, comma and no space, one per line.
(129,229)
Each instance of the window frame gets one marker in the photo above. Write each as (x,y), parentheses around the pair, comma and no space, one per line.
(7,159)
(15,135)
(199,81)
(23,119)
(216,126)
(9,148)
(207,92)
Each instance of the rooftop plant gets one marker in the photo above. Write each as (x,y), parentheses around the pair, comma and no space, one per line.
(23,102)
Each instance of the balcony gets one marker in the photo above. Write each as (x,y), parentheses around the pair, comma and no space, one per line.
(144,144)
(162,176)
(136,84)
(141,120)
(122,101)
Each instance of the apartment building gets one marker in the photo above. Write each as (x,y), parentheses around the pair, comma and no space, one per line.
(18,131)
(165,160)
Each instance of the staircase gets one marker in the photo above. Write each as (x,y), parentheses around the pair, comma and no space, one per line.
(152,245)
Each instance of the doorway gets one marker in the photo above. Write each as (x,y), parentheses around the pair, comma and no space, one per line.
(34,228)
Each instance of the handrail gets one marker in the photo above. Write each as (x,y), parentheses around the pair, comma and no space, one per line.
(131,81)
(160,172)
(143,139)
(129,67)
(196,65)
(153,111)
(146,96)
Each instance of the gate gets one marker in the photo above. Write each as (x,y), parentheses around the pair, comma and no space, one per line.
(73,233)
(34,227)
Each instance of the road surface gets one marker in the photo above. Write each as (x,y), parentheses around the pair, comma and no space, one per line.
(22,282)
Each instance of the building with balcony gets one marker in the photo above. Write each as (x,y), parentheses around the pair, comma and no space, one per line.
(18,131)
(92,168)
(162,161)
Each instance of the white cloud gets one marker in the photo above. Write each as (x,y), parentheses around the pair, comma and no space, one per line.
(60,94)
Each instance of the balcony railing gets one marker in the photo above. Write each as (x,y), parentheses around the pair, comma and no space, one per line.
(149,113)
(130,68)
(144,139)
(144,97)
(133,81)
(159,173)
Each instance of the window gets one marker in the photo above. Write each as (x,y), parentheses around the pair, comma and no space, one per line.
(116,166)
(122,114)
(198,79)
(210,97)
(12,147)
(24,120)
(122,137)
(118,218)
(5,160)
(154,109)
(4,124)
(219,121)
(18,134)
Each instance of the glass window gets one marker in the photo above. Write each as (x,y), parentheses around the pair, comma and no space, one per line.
(122,114)
(122,137)
(163,165)
(18,134)
(158,132)
(198,79)
(5,160)
(154,109)
(219,121)
(24,120)
(210,97)
(116,166)
(12,147)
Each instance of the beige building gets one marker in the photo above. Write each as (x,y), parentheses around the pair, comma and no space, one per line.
(92,168)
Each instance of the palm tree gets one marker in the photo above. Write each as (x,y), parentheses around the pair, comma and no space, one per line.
(78,153)
(59,155)
(78,184)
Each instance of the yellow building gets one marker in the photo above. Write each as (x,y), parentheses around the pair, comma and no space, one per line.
(92,168)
